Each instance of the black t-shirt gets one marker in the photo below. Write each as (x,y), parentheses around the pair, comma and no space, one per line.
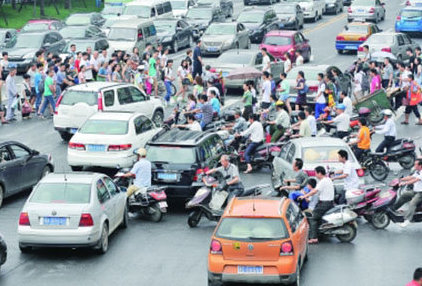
(196,54)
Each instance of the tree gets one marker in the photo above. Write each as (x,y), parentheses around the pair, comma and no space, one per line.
(68,4)
(42,11)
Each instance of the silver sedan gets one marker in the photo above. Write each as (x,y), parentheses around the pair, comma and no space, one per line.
(366,10)
(72,210)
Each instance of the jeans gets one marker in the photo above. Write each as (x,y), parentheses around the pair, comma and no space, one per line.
(250,150)
(48,100)
(58,91)
(38,97)
(234,191)
(167,83)
(10,113)
(321,208)
(414,198)
(319,109)
(388,140)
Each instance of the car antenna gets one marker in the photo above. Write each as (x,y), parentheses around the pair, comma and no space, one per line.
(253,200)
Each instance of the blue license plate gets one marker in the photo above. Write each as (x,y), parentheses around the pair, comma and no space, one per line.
(351,47)
(250,270)
(360,10)
(167,176)
(212,49)
(54,221)
(73,130)
(96,148)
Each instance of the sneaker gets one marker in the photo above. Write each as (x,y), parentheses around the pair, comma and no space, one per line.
(405,223)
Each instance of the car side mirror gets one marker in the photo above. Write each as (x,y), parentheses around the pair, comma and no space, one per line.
(35,152)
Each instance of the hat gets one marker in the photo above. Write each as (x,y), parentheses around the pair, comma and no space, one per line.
(341,106)
(387,112)
(279,103)
(141,152)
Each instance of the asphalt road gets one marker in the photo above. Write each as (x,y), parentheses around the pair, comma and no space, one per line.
(169,253)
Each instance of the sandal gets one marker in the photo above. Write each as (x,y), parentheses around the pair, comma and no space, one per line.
(247,171)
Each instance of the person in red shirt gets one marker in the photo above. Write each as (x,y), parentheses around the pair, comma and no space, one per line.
(417,278)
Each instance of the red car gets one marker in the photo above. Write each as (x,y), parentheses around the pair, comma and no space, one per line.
(279,42)
(42,25)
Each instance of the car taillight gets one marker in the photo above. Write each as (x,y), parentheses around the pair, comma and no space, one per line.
(24,219)
(121,147)
(408,145)
(58,103)
(360,172)
(349,10)
(360,49)
(286,248)
(313,88)
(199,172)
(158,196)
(86,220)
(362,39)
(372,10)
(216,247)
(100,102)
(310,173)
(77,146)
(388,50)
(398,18)
(340,38)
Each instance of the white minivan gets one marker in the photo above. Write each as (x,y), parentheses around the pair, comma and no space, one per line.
(79,102)
(149,9)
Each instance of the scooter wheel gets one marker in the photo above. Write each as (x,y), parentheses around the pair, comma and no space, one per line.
(194,218)
(380,220)
(350,236)
(156,215)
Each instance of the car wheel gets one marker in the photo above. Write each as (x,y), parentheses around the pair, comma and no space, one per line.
(76,168)
(65,136)
(214,283)
(25,249)
(125,220)
(175,46)
(1,195)
(158,118)
(103,243)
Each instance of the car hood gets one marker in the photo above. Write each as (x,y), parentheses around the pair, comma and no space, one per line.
(306,4)
(20,52)
(198,22)
(276,49)
(252,26)
(218,38)
(121,45)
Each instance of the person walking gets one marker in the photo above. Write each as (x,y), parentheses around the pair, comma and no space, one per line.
(197,60)
(168,78)
(417,278)
(152,73)
(49,91)
(11,91)
(387,74)
(413,97)
(320,101)
(284,91)
(266,91)
(255,132)
(247,100)
(266,62)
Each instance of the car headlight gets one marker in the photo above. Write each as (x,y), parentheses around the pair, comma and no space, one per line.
(227,44)
(29,56)
(166,39)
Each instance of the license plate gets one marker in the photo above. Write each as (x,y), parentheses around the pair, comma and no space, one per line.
(96,148)
(167,177)
(250,270)
(212,49)
(351,47)
(360,10)
(225,74)
(54,221)
(73,130)
(162,204)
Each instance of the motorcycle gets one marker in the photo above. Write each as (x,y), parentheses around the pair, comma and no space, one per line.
(401,151)
(212,195)
(151,204)
(361,201)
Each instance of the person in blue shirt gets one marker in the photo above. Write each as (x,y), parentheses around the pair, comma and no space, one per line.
(305,204)
(214,102)
(39,75)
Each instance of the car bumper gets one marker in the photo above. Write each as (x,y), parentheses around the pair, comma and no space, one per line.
(213,51)
(408,27)
(364,16)
(331,8)
(100,159)
(348,46)
(80,237)
(309,14)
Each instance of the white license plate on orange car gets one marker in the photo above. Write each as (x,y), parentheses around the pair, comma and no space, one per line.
(241,269)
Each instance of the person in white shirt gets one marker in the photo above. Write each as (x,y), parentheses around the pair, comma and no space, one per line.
(88,67)
(287,63)
(347,102)
(320,101)
(266,62)
(95,64)
(388,129)
(342,121)
(349,174)
(324,190)
(357,80)
(299,58)
(192,125)
(311,120)
(255,132)
(266,90)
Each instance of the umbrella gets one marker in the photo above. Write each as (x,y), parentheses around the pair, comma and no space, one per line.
(383,55)
(244,73)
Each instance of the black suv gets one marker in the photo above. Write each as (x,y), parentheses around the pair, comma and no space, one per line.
(259,21)
(225,5)
(201,17)
(178,156)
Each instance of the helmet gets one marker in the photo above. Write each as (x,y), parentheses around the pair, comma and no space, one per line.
(341,106)
(279,103)
(387,112)
(141,152)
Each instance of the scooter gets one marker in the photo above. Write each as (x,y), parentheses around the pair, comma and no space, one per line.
(401,151)
(210,199)
(361,201)
(151,204)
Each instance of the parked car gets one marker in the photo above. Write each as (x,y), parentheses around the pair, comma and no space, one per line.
(313,153)
(28,43)
(42,25)
(84,19)
(259,21)
(409,20)
(3,250)
(21,168)
(109,139)
(391,42)
(416,3)
(8,38)
(81,32)
(290,16)
(219,37)
(366,10)
(181,7)
(354,34)
(279,42)
(333,6)
(264,239)
(311,76)
(237,59)
(174,33)
(201,17)
(312,9)
(112,9)
(72,210)
(225,5)
(178,156)
(97,44)
(79,102)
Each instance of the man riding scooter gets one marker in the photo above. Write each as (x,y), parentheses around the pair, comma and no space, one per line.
(142,173)
(298,183)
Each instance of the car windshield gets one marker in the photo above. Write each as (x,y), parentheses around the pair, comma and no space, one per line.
(165,26)
(141,11)
(112,10)
(363,3)
(409,14)
(221,30)
(252,229)
(359,29)
(284,9)
(72,97)
(234,58)
(78,20)
(35,27)
(200,14)
(28,41)
(310,74)
(171,154)
(378,39)
(61,193)
(104,127)
(277,41)
(250,17)
(80,46)
(73,32)
(122,34)
(323,154)
(178,5)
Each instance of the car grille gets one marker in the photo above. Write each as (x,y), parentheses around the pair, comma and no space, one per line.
(213,44)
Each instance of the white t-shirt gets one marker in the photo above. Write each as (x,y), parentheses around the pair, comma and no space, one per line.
(88,72)
(299,61)
(342,121)
(417,187)
(182,72)
(349,106)
(287,65)
(405,79)
(325,189)
(321,89)
(351,182)
(266,91)
(265,62)
(217,92)
(358,81)
(312,124)
(195,126)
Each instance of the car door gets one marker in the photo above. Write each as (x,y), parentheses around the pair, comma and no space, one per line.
(10,172)
(280,165)
(401,47)
(116,199)
(107,204)
(298,228)
(31,166)
(144,130)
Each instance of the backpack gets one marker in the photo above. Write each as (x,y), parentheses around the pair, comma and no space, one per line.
(365,82)
(163,74)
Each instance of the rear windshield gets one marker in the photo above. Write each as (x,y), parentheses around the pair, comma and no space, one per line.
(104,127)
(78,20)
(378,39)
(62,193)
(72,97)
(409,14)
(171,154)
(252,229)
(326,154)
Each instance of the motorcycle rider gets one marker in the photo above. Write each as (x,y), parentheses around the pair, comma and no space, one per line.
(281,122)
(351,180)
(141,172)
(388,129)
(415,196)
(299,182)
(342,121)
(227,169)
(364,139)
(238,126)
(324,190)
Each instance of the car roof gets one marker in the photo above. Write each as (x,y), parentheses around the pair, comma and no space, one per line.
(71,177)
(224,23)
(130,23)
(167,19)
(241,52)
(95,86)
(322,141)
(11,142)
(87,40)
(271,207)
(322,68)
(178,137)
(114,115)
(281,33)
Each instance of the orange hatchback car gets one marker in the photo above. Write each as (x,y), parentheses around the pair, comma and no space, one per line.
(259,240)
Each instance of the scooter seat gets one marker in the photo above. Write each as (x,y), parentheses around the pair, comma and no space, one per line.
(378,154)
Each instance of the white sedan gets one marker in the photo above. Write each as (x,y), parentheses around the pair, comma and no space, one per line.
(72,210)
(109,139)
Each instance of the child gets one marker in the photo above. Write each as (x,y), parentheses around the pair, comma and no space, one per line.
(305,204)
